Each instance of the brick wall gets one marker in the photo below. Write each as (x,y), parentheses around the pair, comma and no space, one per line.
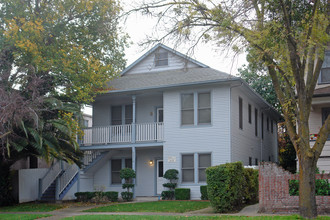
(274,191)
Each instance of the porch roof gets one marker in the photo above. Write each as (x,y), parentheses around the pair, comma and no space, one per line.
(167,78)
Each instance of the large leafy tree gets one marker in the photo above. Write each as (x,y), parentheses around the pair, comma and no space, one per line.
(289,37)
(256,76)
(55,56)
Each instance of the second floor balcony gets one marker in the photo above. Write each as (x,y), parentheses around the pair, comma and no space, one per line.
(128,133)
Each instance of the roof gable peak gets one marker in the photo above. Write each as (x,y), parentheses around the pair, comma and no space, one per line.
(168,49)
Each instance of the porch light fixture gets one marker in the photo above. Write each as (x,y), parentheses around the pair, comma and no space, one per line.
(151,162)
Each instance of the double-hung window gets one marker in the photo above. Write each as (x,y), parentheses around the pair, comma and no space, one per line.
(190,165)
(325,113)
(122,114)
(204,161)
(196,108)
(161,59)
(115,169)
(116,166)
(188,168)
(325,70)
(187,109)
(204,108)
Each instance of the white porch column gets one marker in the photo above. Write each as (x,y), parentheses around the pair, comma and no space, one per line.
(133,120)
(134,167)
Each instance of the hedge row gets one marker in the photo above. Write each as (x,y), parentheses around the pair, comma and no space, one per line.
(89,196)
(230,185)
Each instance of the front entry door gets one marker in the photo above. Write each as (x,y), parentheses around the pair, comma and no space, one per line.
(160,178)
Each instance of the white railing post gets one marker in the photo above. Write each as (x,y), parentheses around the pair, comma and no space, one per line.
(133,121)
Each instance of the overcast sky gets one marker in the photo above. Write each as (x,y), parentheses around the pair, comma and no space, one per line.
(138,27)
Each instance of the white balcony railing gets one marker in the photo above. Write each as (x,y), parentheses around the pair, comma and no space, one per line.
(123,134)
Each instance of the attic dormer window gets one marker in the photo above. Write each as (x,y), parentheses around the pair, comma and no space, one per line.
(325,71)
(161,59)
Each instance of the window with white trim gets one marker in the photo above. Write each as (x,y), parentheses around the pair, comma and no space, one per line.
(187,109)
(117,113)
(161,59)
(196,108)
(188,169)
(325,113)
(204,108)
(250,113)
(204,161)
(189,165)
(116,166)
(325,70)
(115,169)
(240,112)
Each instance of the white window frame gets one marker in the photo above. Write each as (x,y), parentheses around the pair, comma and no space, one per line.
(158,60)
(196,108)
(196,168)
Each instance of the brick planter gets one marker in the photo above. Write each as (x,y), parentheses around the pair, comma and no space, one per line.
(274,194)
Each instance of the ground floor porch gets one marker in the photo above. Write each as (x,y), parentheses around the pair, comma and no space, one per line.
(101,171)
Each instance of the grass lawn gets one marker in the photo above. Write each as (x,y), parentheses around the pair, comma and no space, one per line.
(22,216)
(160,206)
(32,207)
(158,217)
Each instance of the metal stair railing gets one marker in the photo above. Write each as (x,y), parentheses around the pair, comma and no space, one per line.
(66,177)
(90,156)
(49,178)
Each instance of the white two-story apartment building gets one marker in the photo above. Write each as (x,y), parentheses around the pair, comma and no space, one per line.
(168,111)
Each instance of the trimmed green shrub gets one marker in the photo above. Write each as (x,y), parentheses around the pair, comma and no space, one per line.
(224,186)
(171,186)
(127,196)
(250,186)
(112,196)
(172,176)
(84,196)
(167,195)
(203,190)
(127,174)
(182,194)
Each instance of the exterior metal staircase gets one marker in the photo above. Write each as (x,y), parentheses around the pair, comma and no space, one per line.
(91,157)
(62,176)
(57,181)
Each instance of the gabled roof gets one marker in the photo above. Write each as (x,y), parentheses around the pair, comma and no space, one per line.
(165,48)
(167,78)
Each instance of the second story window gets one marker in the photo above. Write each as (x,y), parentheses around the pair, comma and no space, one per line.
(255,122)
(122,114)
(240,112)
(325,113)
(204,108)
(161,59)
(325,71)
(196,108)
(187,109)
(250,114)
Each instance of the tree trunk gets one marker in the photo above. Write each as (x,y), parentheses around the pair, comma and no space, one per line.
(307,201)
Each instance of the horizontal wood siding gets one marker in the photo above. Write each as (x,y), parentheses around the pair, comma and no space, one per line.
(174,62)
(244,142)
(214,138)
(145,108)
